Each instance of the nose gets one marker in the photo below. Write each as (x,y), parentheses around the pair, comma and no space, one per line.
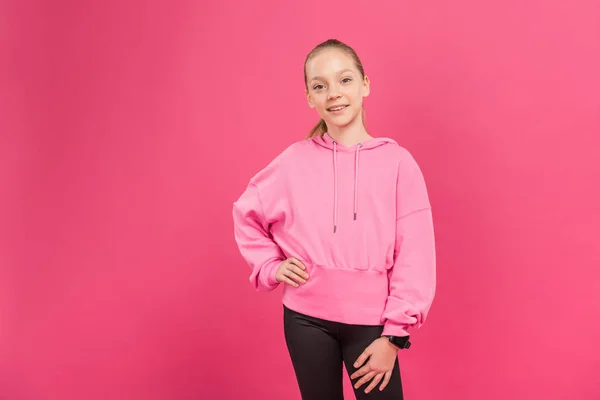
(333,95)
(334,92)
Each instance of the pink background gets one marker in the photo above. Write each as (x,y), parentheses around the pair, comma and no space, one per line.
(127,131)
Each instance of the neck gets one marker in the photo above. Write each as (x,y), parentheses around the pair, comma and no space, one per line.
(350,134)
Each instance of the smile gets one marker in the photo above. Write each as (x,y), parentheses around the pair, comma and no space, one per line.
(337,108)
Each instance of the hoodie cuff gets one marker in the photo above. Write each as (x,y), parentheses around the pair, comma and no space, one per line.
(269,271)
(391,329)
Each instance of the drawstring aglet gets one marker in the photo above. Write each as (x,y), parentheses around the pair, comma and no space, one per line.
(334,228)
(355,216)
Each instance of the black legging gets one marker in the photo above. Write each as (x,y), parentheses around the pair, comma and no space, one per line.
(317,349)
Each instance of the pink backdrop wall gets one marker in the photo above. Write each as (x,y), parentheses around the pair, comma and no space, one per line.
(127,131)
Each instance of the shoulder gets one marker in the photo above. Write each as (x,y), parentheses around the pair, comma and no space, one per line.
(276,167)
(403,159)
(405,156)
(397,152)
(291,152)
(299,146)
(408,168)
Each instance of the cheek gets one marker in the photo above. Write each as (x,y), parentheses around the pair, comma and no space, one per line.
(356,94)
(320,104)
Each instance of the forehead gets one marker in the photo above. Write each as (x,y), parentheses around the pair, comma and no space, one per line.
(329,63)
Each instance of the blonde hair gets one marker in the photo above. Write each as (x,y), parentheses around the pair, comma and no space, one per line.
(321,127)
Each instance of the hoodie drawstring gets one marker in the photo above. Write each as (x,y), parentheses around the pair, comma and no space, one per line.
(356,183)
(335,184)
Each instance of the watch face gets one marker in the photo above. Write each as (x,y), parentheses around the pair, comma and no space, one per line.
(400,341)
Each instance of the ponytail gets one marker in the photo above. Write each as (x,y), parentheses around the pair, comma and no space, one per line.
(318,130)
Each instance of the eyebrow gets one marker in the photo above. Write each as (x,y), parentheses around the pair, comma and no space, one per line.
(339,73)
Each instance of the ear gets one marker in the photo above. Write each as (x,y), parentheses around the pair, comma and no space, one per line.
(366,86)
(311,104)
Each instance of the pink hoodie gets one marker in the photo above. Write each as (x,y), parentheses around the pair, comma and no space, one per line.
(360,220)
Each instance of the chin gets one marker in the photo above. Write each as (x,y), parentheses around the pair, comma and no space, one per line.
(341,122)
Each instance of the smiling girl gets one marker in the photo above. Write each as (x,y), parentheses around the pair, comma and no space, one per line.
(343,220)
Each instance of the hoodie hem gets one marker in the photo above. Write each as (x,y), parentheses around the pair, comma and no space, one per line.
(356,297)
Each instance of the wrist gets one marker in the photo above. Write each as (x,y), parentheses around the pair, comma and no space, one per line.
(270,271)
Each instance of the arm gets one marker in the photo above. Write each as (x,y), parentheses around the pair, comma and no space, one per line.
(412,279)
(254,241)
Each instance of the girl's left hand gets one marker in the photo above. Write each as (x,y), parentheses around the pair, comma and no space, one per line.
(382,356)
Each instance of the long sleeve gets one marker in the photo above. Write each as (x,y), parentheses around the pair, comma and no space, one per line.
(254,241)
(412,279)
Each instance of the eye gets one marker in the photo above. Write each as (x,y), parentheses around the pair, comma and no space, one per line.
(346,79)
(317,87)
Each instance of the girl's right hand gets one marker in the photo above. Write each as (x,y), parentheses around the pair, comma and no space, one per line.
(292,272)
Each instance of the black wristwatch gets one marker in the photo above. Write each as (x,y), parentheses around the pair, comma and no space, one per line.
(402,342)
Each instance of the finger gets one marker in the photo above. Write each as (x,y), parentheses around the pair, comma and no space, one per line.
(360,372)
(374,382)
(298,271)
(386,380)
(362,358)
(297,262)
(289,281)
(293,276)
(364,379)
(293,272)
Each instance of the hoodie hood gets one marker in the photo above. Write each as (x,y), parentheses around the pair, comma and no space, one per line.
(328,142)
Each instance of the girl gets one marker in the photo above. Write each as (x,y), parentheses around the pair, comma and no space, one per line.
(343,220)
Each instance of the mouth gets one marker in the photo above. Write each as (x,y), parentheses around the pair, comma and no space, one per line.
(337,108)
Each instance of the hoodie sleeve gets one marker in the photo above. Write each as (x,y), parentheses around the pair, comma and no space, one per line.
(251,230)
(412,279)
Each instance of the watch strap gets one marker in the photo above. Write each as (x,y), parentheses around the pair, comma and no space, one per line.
(402,342)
